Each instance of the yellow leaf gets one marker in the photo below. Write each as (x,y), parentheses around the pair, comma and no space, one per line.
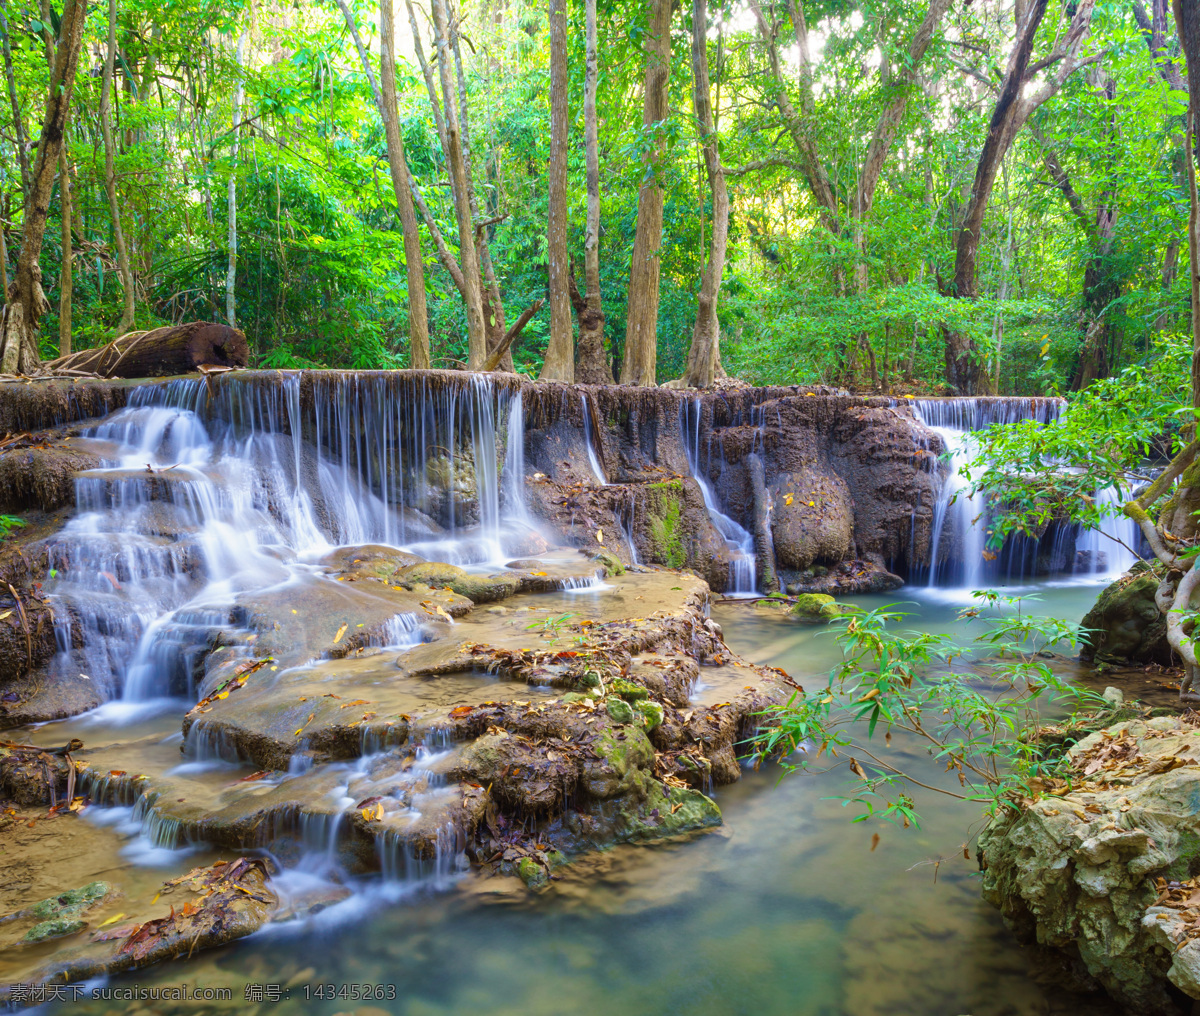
(112,920)
(5,614)
(910,396)
(338,637)
(223,694)
(787,498)
(443,612)
(298,729)
(1042,351)
(600,536)
(812,504)
(295,612)
(868,696)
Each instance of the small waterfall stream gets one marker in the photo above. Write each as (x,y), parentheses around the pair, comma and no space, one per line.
(743,578)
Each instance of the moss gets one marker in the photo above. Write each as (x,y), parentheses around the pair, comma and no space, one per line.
(652,713)
(634,751)
(819,606)
(73,901)
(620,710)
(612,563)
(653,810)
(477,588)
(627,689)
(665,514)
(56,927)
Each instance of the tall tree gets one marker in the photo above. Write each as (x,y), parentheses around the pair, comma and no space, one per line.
(27,301)
(65,274)
(386,103)
(22,143)
(639,357)
(560,353)
(964,368)
(591,367)
(239,93)
(706,334)
(110,174)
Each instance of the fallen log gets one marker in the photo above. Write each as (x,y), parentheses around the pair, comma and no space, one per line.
(161,352)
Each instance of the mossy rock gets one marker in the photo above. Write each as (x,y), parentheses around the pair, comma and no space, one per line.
(476,588)
(652,713)
(627,690)
(1125,624)
(73,901)
(612,564)
(771,604)
(620,710)
(56,927)
(820,607)
(534,874)
(634,751)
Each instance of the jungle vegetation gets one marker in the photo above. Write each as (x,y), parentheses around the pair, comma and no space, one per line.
(896,196)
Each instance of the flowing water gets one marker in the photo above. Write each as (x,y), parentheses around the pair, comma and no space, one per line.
(743,577)
(788,908)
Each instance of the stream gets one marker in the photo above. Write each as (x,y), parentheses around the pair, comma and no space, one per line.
(785,909)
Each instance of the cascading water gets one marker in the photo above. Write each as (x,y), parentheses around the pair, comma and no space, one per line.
(958,543)
(205,496)
(1111,549)
(743,577)
(590,441)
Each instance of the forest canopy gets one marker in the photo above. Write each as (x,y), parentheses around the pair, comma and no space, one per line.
(977,197)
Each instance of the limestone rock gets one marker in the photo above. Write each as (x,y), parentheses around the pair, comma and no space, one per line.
(812,519)
(1080,869)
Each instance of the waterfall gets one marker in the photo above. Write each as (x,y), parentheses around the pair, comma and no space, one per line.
(590,441)
(743,577)
(214,489)
(1109,550)
(959,519)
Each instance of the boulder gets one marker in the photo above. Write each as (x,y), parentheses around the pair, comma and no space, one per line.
(1125,624)
(812,519)
(1099,865)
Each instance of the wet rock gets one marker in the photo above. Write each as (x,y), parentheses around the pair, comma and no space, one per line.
(619,710)
(1100,868)
(476,588)
(1125,624)
(820,607)
(846,578)
(812,518)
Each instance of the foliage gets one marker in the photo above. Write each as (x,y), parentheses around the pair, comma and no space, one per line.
(320,275)
(8,523)
(970,707)
(1104,438)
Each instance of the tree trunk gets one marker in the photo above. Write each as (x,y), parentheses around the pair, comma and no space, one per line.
(110,173)
(591,366)
(1187,18)
(560,353)
(161,352)
(65,282)
(639,358)
(706,335)
(470,287)
(231,272)
(66,275)
(27,303)
(18,119)
(385,101)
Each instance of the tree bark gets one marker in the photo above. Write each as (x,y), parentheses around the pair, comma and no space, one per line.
(591,366)
(385,101)
(65,282)
(161,352)
(639,358)
(560,352)
(27,301)
(1187,19)
(470,288)
(231,272)
(706,335)
(18,119)
(110,174)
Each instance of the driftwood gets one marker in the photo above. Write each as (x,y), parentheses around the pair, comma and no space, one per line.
(160,352)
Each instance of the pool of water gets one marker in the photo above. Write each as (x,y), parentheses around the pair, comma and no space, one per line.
(789,908)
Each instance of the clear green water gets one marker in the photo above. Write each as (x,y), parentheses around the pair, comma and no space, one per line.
(786,910)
